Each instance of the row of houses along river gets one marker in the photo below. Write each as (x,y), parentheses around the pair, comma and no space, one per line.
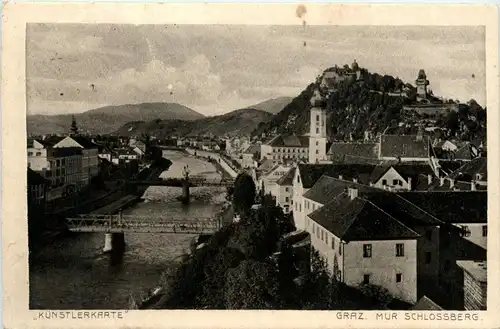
(73,272)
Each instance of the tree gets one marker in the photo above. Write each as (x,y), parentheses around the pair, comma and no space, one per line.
(74,127)
(243,193)
(252,285)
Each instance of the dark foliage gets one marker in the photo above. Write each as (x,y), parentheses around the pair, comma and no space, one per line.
(244,193)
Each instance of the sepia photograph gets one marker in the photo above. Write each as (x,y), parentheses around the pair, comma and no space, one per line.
(256,167)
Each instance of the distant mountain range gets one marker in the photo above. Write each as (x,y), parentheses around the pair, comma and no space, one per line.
(109,118)
(239,122)
(159,119)
(273,105)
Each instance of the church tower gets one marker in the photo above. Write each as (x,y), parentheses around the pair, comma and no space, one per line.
(317,129)
(422,84)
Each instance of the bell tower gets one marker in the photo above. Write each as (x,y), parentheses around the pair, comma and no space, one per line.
(422,84)
(317,129)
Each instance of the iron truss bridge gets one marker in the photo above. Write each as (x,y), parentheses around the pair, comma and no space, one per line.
(141,224)
(193,182)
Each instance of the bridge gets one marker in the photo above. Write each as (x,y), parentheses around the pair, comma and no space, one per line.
(141,224)
(115,227)
(193,182)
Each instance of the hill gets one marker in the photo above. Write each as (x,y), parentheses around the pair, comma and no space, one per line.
(239,122)
(109,118)
(374,103)
(273,106)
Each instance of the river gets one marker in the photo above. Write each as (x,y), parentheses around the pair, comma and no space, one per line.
(73,273)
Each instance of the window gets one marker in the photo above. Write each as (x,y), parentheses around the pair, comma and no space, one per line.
(300,206)
(286,189)
(38,153)
(399,277)
(326,238)
(340,248)
(30,154)
(314,228)
(395,182)
(384,181)
(367,250)
(286,199)
(317,117)
(400,250)
(317,151)
(366,279)
(317,130)
(321,234)
(314,207)
(428,234)
(428,257)
(317,143)
(333,243)
(485,230)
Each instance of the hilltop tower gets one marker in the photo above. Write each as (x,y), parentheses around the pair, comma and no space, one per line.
(317,129)
(422,84)
(74,127)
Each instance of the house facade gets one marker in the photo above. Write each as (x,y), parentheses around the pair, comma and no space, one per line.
(90,163)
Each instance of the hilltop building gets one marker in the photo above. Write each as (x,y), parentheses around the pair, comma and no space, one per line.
(426,103)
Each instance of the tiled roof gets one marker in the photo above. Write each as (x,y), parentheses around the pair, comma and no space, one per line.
(470,169)
(400,208)
(266,165)
(463,153)
(339,151)
(406,170)
(310,173)
(426,304)
(404,146)
(50,141)
(452,207)
(290,141)
(252,149)
(360,220)
(287,179)
(35,179)
(84,142)
(327,188)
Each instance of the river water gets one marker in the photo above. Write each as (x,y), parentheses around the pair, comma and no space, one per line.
(73,273)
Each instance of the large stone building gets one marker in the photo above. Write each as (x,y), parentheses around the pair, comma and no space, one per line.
(90,162)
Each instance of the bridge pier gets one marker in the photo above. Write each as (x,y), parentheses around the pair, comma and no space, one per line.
(114,242)
(185,191)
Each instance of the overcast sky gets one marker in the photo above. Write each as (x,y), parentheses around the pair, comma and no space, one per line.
(214,69)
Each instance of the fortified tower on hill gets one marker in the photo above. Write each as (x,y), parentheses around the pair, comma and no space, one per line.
(317,129)
(422,84)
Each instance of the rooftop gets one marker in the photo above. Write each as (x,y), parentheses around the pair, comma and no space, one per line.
(426,304)
(289,141)
(360,220)
(478,270)
(327,188)
(310,173)
(35,179)
(452,206)
(287,179)
(341,150)
(404,146)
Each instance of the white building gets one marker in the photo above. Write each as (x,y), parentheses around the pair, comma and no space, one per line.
(285,191)
(269,179)
(362,244)
(317,131)
(90,163)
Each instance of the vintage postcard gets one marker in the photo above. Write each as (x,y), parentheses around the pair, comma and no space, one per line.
(296,165)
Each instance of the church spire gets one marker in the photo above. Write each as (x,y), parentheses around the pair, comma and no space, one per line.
(74,128)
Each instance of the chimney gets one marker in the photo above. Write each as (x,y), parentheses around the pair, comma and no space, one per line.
(354,180)
(352,192)
(340,177)
(409,183)
(472,185)
(441,181)
(371,184)
(452,183)
(429,179)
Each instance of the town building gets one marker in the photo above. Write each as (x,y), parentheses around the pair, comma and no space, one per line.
(362,244)
(268,180)
(286,148)
(475,285)
(90,163)
(250,156)
(317,130)
(37,189)
(285,191)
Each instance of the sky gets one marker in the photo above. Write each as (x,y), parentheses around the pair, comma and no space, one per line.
(214,69)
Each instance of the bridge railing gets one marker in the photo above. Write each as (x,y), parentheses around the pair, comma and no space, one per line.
(117,223)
